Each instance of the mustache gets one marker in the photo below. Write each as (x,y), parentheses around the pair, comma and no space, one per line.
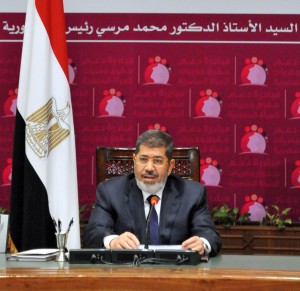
(149,174)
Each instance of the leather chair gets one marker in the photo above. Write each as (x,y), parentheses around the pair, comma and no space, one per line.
(111,162)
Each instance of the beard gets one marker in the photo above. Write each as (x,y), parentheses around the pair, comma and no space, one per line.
(151,188)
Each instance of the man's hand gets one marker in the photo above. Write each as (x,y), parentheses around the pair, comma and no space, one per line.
(194,243)
(126,240)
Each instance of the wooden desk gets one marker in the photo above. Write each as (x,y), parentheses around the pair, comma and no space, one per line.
(225,272)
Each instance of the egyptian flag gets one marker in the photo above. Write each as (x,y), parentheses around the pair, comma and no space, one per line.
(44,178)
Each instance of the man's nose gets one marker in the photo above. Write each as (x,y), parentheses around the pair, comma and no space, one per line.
(149,165)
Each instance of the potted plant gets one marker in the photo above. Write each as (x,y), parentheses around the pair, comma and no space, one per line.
(228,217)
(279,218)
(276,234)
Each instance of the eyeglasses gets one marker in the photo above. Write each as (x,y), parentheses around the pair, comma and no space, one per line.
(143,160)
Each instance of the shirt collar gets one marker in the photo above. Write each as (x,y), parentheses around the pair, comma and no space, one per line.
(159,194)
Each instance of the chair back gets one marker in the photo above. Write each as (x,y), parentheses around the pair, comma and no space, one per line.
(111,162)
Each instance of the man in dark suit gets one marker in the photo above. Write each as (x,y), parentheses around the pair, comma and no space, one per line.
(119,217)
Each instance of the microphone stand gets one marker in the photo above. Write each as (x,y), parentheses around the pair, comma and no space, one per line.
(147,226)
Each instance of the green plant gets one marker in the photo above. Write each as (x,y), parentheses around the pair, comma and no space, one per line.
(3,211)
(228,217)
(278,218)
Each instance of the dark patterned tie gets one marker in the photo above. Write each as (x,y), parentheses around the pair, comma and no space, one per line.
(153,223)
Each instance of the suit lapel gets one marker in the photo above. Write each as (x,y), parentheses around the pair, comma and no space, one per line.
(136,210)
(171,200)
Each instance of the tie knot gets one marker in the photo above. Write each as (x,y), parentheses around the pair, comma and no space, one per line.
(153,199)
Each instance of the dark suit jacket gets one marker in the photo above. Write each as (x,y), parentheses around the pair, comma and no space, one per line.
(120,207)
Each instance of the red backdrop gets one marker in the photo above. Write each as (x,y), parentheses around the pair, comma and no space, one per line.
(228,84)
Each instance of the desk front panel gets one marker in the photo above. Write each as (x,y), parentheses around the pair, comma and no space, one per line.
(222,272)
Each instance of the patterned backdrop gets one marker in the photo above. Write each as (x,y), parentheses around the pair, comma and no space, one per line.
(228,84)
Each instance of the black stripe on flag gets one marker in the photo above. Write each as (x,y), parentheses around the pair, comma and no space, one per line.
(31,225)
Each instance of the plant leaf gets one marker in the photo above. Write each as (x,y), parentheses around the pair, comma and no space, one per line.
(285,211)
(288,221)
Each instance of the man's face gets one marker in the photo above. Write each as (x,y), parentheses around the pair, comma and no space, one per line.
(152,168)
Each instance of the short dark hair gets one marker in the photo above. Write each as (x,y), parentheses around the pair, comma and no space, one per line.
(155,139)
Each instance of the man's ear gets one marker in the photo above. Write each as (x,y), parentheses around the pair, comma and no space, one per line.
(171,166)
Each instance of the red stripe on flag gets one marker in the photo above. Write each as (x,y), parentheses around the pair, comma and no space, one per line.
(52,16)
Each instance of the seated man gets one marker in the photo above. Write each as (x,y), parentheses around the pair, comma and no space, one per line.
(118,220)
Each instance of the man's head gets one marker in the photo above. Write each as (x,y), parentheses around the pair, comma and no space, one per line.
(153,161)
(156,139)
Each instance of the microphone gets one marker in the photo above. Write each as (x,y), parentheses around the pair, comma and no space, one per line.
(154,200)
